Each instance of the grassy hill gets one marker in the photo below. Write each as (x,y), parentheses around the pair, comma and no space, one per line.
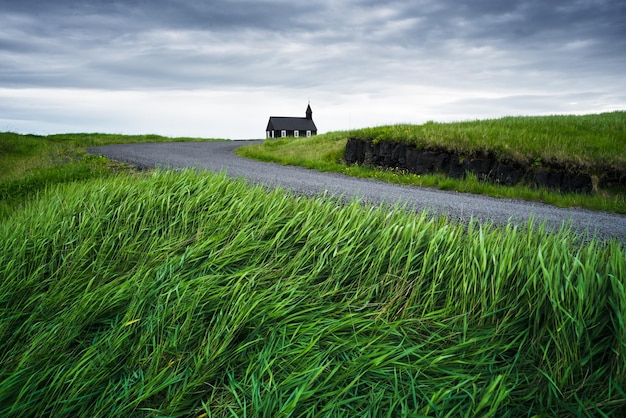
(184,293)
(593,143)
(189,294)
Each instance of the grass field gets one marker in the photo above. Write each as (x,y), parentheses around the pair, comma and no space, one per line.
(591,143)
(184,293)
(30,163)
(189,294)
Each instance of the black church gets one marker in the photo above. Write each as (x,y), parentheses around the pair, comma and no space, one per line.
(283,126)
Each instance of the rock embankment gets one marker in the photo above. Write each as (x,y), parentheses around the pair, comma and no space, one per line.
(485,166)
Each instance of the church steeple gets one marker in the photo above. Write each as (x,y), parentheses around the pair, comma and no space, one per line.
(309,112)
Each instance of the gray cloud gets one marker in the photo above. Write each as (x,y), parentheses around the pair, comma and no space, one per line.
(489,48)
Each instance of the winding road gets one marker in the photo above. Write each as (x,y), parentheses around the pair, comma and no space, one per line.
(219,156)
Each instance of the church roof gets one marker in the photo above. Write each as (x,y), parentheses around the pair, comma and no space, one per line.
(278,123)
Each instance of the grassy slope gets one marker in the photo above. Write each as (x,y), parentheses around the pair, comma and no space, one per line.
(590,141)
(188,294)
(30,163)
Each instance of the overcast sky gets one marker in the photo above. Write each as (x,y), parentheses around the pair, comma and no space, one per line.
(221,68)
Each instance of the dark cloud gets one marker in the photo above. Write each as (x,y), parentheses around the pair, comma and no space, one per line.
(514,25)
(365,48)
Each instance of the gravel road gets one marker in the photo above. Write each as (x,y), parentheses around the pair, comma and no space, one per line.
(219,156)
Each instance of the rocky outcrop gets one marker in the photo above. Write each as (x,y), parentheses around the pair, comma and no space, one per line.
(485,167)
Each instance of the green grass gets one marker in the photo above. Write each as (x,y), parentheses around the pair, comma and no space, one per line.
(593,143)
(582,142)
(30,163)
(184,293)
(190,294)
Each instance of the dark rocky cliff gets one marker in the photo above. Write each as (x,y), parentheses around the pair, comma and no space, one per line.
(486,167)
